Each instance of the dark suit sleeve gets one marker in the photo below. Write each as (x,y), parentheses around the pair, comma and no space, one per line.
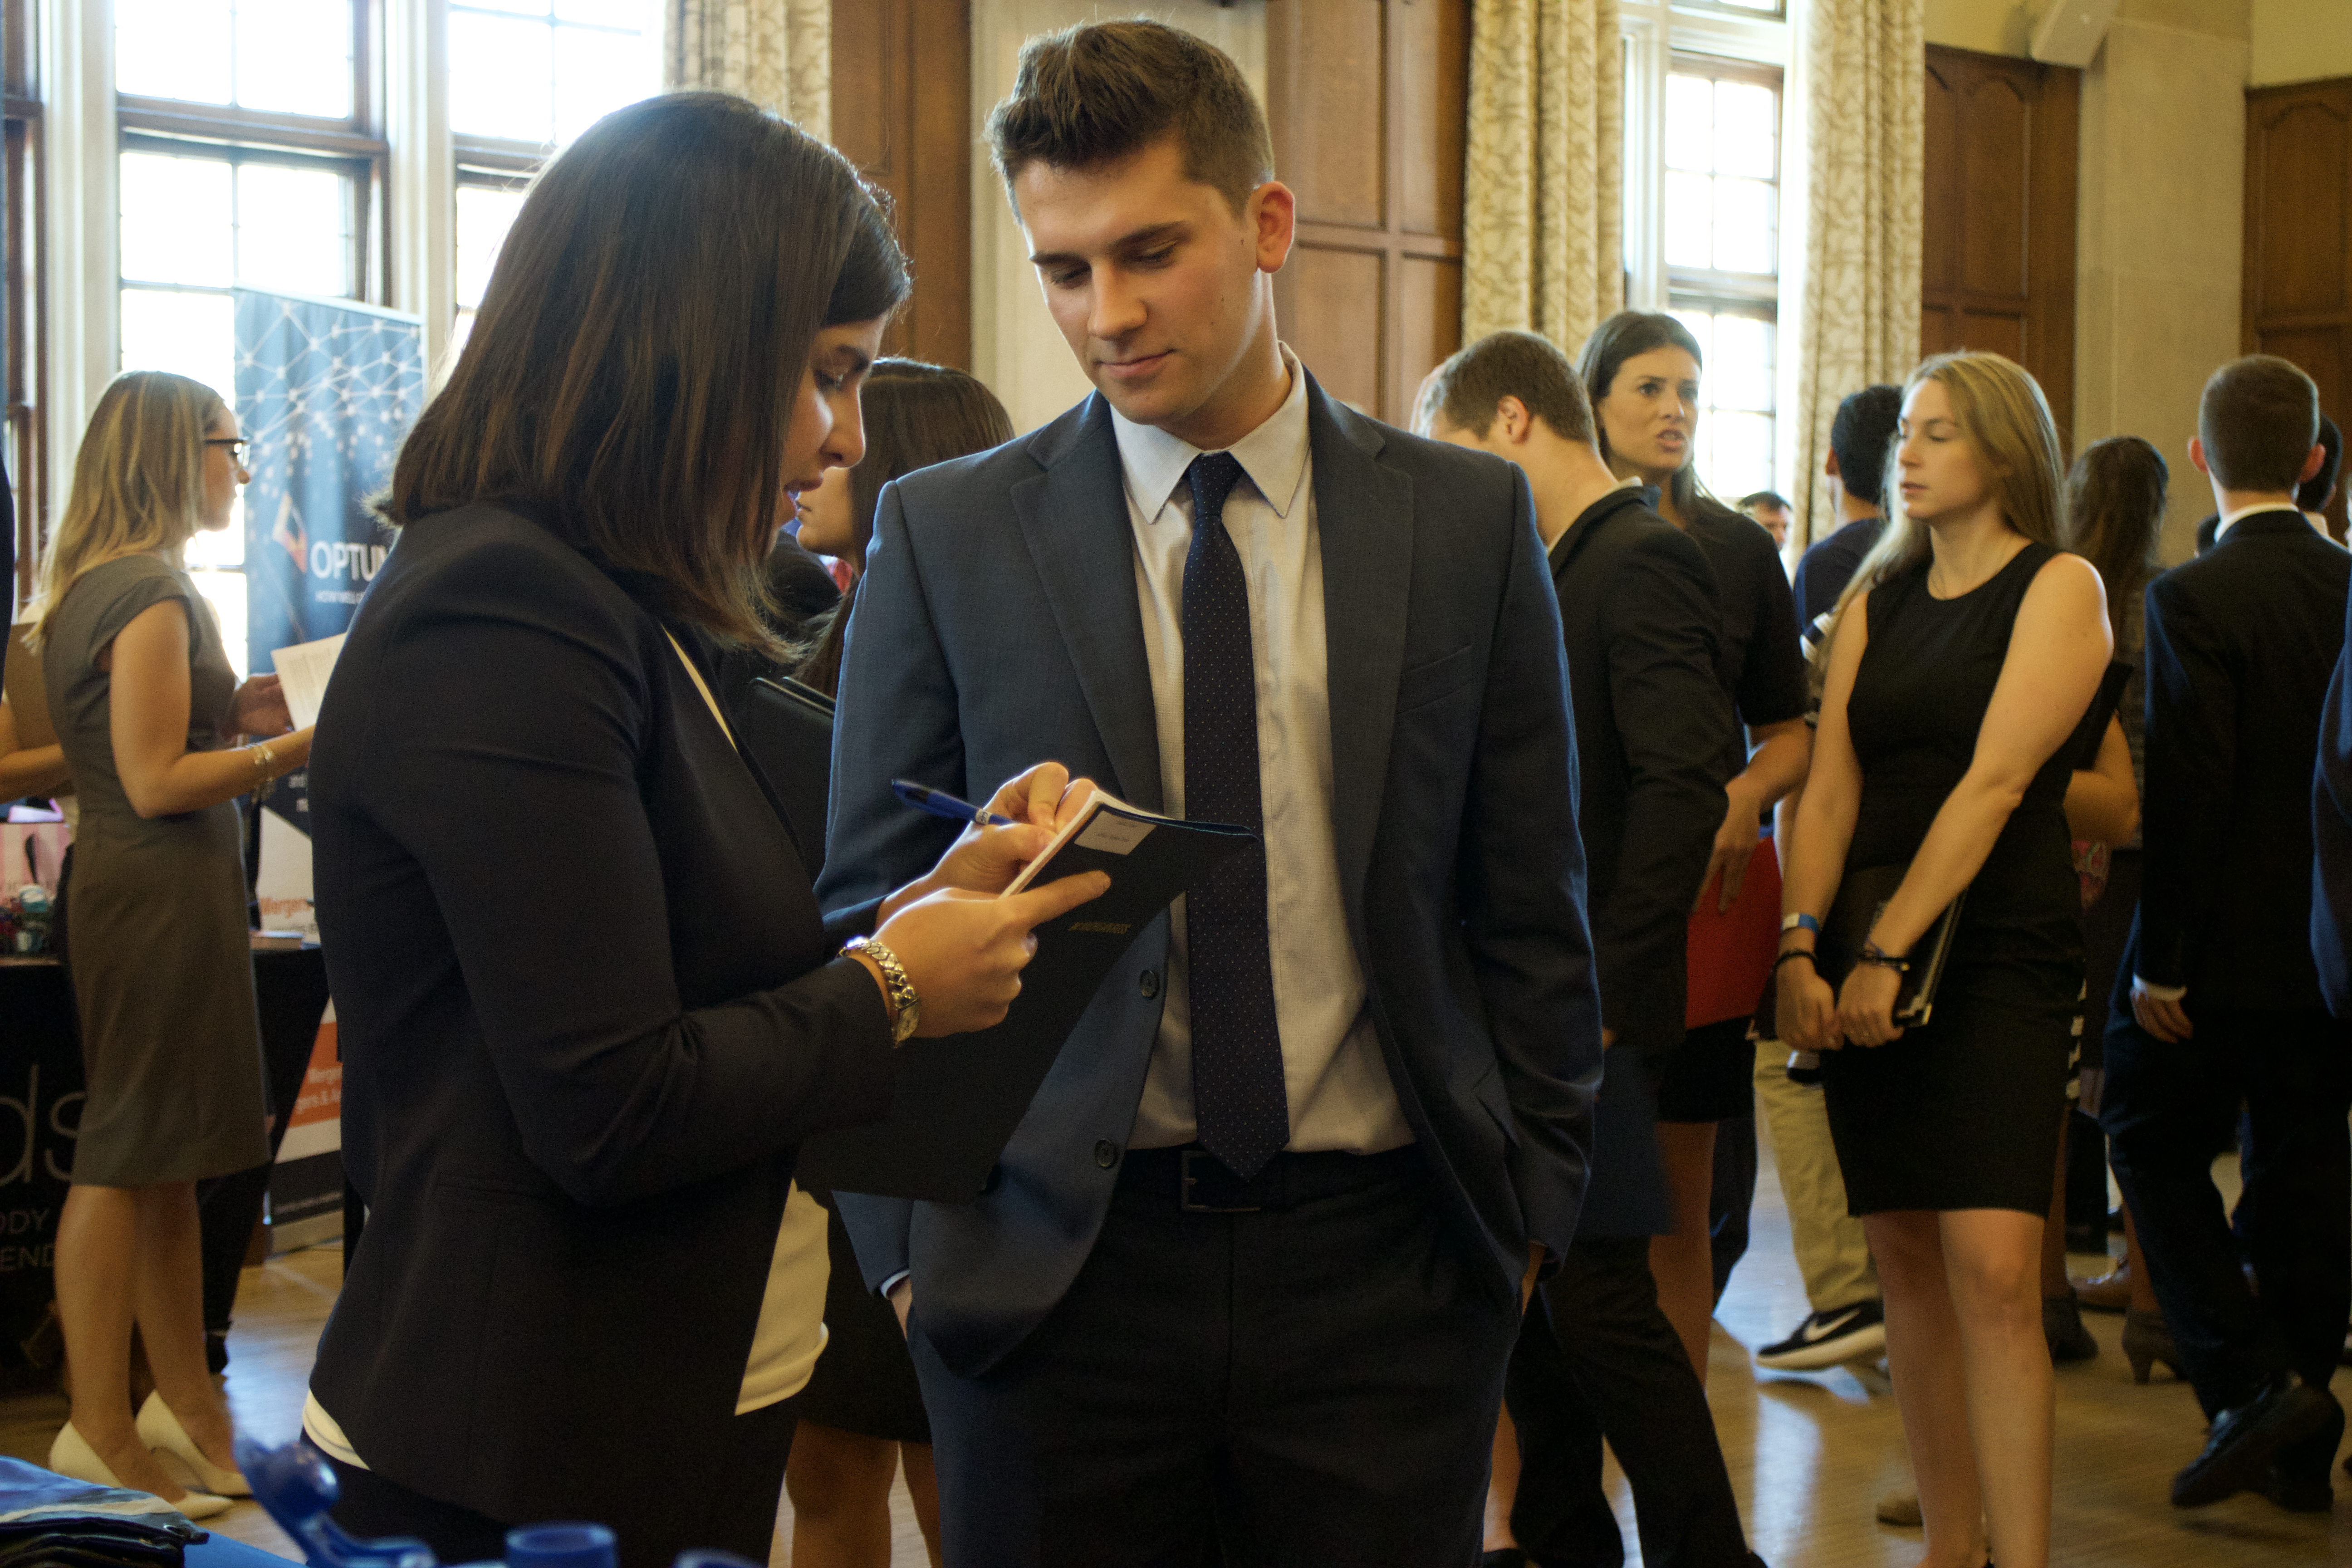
(520,798)
(1523,896)
(2331,833)
(1658,624)
(2191,762)
(1773,688)
(897,719)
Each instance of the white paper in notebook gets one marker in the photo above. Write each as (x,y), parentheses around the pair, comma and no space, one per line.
(302,672)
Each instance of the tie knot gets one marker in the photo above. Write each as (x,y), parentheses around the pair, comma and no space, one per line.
(1213,476)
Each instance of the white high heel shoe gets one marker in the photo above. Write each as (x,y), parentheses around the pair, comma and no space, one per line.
(162,1432)
(71,1455)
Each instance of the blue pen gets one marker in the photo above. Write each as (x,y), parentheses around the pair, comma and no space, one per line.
(939,803)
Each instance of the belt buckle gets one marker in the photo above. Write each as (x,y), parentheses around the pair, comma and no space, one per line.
(1185,1180)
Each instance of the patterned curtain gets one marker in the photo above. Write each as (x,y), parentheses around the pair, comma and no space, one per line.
(777,53)
(1543,187)
(1861,74)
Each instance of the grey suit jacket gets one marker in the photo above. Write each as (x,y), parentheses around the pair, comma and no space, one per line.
(998,626)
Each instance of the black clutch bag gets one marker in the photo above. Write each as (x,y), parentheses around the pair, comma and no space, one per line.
(1862,898)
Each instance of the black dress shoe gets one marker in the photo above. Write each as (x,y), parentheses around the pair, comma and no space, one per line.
(2247,1437)
(2296,1494)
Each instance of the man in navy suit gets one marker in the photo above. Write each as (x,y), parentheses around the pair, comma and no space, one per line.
(2331,834)
(1250,1270)
(2241,642)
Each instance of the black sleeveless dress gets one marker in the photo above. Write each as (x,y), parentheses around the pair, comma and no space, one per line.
(1963,1112)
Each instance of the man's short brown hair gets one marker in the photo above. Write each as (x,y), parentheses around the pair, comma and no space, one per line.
(1467,388)
(1101,91)
(2259,419)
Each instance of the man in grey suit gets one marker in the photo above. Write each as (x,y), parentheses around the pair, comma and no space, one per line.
(1249,1272)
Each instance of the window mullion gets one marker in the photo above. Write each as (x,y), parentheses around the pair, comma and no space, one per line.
(424,175)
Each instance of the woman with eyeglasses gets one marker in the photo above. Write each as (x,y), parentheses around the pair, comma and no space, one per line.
(145,704)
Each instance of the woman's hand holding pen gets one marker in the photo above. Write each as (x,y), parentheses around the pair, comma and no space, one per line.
(985,860)
(963,947)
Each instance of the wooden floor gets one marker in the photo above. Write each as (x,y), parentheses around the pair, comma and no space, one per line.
(1810,1455)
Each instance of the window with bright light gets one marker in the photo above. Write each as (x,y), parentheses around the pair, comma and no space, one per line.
(539,72)
(1772,10)
(526,76)
(249,159)
(1722,245)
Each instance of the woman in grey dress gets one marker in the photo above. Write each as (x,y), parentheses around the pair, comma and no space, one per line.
(144,703)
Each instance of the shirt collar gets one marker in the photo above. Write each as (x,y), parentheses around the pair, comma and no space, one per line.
(1274,456)
(2230,520)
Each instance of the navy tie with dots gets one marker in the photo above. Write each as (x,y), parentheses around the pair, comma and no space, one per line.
(1238,1098)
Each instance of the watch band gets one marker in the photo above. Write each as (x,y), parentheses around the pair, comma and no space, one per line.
(904,1002)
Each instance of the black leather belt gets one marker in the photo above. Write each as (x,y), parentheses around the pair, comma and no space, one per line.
(1198,1183)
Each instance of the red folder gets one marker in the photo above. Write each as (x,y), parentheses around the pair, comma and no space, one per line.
(1730,952)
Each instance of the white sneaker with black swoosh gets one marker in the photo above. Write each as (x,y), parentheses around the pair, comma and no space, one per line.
(1830,1339)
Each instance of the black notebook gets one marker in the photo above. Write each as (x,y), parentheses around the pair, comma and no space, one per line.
(1862,898)
(956,1100)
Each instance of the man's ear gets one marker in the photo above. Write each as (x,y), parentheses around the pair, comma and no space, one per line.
(2197,455)
(1272,214)
(1516,423)
(1830,465)
(2312,464)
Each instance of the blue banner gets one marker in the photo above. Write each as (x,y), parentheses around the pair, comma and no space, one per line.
(326,390)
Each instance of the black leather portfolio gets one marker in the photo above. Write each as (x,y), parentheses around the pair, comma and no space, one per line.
(955,1101)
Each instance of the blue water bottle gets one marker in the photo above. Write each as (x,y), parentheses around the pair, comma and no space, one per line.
(296,1486)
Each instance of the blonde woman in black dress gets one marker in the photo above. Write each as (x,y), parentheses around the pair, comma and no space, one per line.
(1966,651)
(145,703)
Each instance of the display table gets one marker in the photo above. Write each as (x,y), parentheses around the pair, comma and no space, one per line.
(40,1107)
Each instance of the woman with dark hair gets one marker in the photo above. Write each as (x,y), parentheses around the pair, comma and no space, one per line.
(862,1414)
(2115,515)
(589,1007)
(1642,372)
(916,414)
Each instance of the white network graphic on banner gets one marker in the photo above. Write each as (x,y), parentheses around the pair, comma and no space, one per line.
(326,391)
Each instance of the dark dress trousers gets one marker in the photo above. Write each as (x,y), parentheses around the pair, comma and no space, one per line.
(1639,608)
(587,1016)
(2331,839)
(2241,642)
(1316,1382)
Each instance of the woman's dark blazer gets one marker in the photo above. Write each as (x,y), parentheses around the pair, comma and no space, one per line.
(587,1017)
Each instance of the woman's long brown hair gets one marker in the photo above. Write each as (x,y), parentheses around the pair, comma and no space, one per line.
(633,370)
(916,414)
(2114,515)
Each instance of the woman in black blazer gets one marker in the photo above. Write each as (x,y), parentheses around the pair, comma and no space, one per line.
(589,1007)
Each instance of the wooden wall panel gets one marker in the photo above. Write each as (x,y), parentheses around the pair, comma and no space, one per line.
(1333,159)
(1997,260)
(2298,264)
(1434,110)
(902,114)
(1429,320)
(1332,289)
(1368,102)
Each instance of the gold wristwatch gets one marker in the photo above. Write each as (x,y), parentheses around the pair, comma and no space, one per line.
(906,1006)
